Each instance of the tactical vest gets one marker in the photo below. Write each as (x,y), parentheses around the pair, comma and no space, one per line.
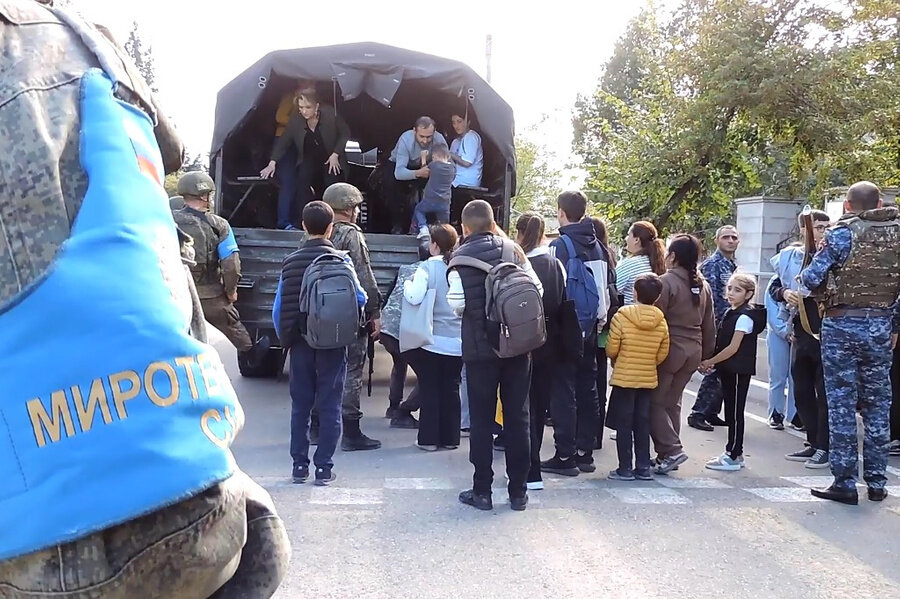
(109,409)
(206,270)
(870,278)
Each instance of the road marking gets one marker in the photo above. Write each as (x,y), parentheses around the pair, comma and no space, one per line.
(827,570)
(784,494)
(418,484)
(809,482)
(649,496)
(337,496)
(691,483)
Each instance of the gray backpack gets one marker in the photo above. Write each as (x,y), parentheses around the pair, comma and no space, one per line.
(328,299)
(513,302)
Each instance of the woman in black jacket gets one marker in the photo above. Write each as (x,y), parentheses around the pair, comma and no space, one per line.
(550,372)
(319,137)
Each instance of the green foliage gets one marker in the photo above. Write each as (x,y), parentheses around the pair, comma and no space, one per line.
(537,182)
(726,98)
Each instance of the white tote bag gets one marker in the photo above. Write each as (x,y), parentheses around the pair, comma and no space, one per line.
(417,323)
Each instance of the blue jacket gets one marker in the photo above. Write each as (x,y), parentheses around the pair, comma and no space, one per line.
(717,269)
(786,265)
(109,409)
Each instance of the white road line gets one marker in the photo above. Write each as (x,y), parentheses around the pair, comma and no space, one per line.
(784,494)
(809,482)
(649,496)
(337,496)
(419,484)
(691,483)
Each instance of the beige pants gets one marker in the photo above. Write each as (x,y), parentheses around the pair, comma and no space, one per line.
(665,404)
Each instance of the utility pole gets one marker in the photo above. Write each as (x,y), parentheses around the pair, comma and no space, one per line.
(487,56)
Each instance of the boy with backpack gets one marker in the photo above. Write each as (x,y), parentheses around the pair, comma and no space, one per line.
(498,294)
(317,313)
(575,419)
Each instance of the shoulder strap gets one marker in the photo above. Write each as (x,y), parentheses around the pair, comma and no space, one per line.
(570,247)
(508,251)
(470,261)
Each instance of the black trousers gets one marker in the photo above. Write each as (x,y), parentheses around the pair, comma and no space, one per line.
(895,399)
(734,394)
(629,414)
(439,415)
(313,179)
(587,404)
(602,375)
(512,376)
(400,197)
(398,376)
(549,378)
(809,389)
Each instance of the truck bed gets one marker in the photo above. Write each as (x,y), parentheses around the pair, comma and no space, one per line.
(263,250)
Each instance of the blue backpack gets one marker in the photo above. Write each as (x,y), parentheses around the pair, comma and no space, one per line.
(581,287)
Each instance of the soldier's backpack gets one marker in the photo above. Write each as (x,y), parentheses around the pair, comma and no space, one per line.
(513,302)
(328,301)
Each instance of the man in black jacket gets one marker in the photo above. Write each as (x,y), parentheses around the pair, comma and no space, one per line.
(575,422)
(317,375)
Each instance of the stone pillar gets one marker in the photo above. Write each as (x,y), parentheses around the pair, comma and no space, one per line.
(763,223)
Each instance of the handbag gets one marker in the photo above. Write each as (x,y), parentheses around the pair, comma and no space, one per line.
(417,323)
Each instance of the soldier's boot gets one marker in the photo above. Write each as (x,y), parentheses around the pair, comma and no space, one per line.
(353,439)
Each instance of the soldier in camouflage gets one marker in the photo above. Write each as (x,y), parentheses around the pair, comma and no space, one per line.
(858,265)
(217,263)
(345,199)
(716,269)
(190,548)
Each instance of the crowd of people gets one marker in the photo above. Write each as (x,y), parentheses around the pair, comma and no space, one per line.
(657,316)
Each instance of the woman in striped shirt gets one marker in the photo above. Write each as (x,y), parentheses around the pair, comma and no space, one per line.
(646,254)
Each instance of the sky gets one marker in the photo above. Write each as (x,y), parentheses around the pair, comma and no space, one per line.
(544,53)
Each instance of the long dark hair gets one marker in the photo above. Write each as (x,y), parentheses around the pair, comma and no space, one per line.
(445,237)
(603,237)
(530,227)
(685,250)
(651,245)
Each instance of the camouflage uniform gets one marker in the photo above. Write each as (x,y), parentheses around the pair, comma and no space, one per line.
(198,323)
(862,255)
(348,237)
(192,547)
(215,279)
(716,269)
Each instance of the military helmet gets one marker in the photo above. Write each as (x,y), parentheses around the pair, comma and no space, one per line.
(195,183)
(342,196)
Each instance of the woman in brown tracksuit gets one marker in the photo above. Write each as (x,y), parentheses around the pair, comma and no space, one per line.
(686,302)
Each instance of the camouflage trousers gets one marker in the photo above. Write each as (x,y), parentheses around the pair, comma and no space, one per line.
(353,384)
(709,396)
(227,542)
(856,360)
(222,314)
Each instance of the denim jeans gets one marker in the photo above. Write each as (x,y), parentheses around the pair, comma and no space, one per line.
(779,357)
(439,208)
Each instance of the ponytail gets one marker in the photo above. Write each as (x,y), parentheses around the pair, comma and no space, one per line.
(685,249)
(530,231)
(651,245)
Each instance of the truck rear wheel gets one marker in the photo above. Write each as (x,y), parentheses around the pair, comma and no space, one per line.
(270,366)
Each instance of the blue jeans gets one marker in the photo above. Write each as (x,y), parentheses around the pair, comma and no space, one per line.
(780,377)
(317,378)
(286,173)
(439,208)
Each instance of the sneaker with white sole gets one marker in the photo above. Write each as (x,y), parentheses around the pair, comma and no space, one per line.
(894,448)
(535,485)
(724,463)
(670,463)
(801,456)
(612,436)
(818,461)
(423,233)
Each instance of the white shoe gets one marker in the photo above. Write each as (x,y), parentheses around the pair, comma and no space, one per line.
(612,436)
(724,463)
(423,233)
(537,485)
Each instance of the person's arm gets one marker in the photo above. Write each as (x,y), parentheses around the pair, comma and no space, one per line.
(415,289)
(726,353)
(276,307)
(663,301)
(401,170)
(559,251)
(283,143)
(526,266)
(708,324)
(468,150)
(230,263)
(359,256)
(614,341)
(776,289)
(361,296)
(456,296)
(663,352)
(835,252)
(716,288)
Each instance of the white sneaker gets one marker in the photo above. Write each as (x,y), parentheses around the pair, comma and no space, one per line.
(724,463)
(612,436)
(894,447)
(423,233)
(536,485)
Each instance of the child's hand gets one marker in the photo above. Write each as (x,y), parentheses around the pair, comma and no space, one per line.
(706,367)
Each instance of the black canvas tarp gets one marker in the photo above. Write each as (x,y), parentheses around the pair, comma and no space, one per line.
(378,89)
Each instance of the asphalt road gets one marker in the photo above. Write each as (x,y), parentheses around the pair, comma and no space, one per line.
(391,526)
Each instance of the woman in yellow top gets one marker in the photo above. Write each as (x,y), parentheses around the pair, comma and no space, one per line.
(316,137)
(638,343)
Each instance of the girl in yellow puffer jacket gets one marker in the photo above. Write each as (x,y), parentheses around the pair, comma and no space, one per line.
(638,343)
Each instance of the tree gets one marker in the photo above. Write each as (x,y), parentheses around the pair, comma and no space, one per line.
(142,56)
(722,98)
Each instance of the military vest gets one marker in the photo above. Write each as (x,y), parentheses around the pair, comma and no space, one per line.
(870,278)
(205,231)
(109,409)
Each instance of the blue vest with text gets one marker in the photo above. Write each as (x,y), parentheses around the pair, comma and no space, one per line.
(108,408)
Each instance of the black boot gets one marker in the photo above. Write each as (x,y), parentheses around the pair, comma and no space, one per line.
(404,419)
(354,440)
(848,496)
(698,422)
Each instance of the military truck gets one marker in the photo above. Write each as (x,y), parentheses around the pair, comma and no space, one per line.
(379,90)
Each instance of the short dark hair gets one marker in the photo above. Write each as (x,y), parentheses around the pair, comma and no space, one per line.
(424,122)
(647,288)
(478,216)
(573,204)
(317,215)
(817,216)
(864,195)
